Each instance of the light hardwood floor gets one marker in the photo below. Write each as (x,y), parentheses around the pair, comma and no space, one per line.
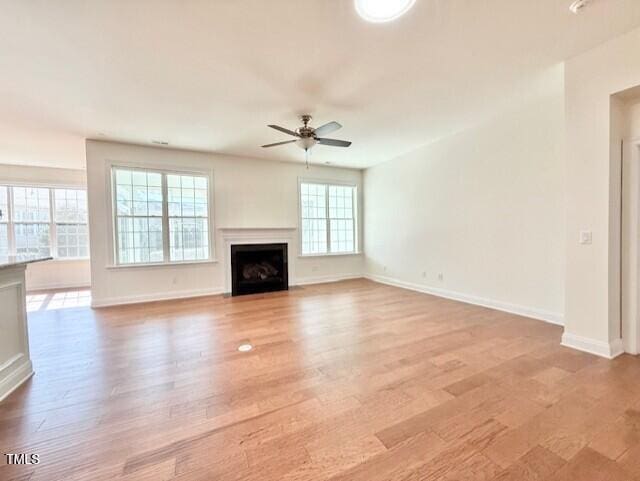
(352,381)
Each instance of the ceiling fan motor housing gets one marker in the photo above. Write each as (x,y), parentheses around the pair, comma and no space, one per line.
(306,131)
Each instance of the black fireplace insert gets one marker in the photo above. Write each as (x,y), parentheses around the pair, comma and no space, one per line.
(258,268)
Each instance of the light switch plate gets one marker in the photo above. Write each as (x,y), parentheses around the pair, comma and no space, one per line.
(586,237)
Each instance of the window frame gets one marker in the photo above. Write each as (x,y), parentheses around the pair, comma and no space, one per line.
(356,216)
(164,171)
(53,238)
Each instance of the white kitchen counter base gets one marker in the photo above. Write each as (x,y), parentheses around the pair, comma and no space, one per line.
(15,361)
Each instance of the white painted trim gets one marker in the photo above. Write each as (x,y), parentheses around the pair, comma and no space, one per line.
(163,296)
(330,254)
(629,254)
(168,296)
(56,286)
(242,229)
(14,380)
(153,265)
(539,314)
(304,281)
(5,366)
(608,350)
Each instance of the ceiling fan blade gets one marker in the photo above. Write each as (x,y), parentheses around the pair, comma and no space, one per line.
(334,142)
(286,131)
(327,128)
(280,143)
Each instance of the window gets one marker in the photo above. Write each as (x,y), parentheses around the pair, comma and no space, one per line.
(160,216)
(70,215)
(43,221)
(139,216)
(188,217)
(341,220)
(328,222)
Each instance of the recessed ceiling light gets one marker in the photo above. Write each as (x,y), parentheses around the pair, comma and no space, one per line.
(382,10)
(245,347)
(578,5)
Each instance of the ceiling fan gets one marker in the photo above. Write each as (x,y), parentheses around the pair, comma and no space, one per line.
(307,136)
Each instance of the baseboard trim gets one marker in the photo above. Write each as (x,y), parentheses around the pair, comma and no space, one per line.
(608,350)
(304,281)
(539,314)
(164,296)
(14,380)
(168,296)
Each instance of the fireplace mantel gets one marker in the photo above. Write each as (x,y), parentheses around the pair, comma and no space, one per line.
(255,232)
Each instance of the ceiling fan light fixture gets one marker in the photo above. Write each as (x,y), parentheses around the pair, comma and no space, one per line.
(306,143)
(379,11)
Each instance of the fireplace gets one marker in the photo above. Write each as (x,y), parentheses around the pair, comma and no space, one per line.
(258,268)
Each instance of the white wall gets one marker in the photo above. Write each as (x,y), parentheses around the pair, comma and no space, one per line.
(57,273)
(485,208)
(248,193)
(632,118)
(592,308)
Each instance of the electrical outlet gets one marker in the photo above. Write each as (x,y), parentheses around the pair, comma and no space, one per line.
(384,268)
(424,274)
(441,276)
(586,237)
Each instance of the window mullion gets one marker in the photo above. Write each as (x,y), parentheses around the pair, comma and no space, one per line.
(165,219)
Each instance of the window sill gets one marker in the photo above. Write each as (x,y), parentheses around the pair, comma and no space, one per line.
(331,254)
(161,264)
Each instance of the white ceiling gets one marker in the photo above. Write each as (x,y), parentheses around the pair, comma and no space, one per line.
(209,75)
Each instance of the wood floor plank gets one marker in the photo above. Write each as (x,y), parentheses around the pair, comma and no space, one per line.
(589,464)
(348,381)
(536,465)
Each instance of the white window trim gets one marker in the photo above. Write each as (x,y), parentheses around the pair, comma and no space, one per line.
(53,237)
(356,219)
(164,169)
